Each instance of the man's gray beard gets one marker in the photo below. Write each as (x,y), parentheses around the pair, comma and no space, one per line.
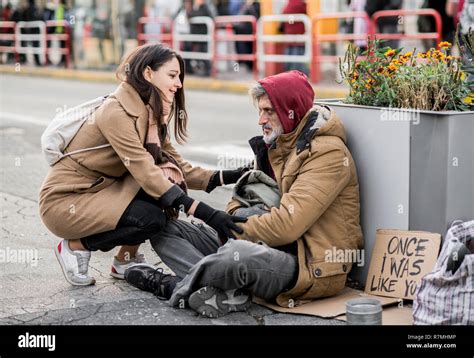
(276,132)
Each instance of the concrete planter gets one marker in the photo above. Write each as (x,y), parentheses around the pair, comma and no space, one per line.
(416,168)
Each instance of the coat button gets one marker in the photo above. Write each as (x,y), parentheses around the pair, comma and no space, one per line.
(317,272)
(344,268)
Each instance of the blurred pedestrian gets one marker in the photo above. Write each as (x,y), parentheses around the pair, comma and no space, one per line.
(5,15)
(235,6)
(454,9)
(19,14)
(427,23)
(61,15)
(294,28)
(123,194)
(101,26)
(386,25)
(6,12)
(251,8)
(200,9)
(32,14)
(222,7)
(181,23)
(360,25)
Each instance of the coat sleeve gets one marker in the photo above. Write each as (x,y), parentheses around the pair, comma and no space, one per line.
(120,131)
(197,178)
(232,206)
(320,180)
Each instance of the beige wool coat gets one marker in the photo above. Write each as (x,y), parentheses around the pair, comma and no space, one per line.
(88,192)
(319,208)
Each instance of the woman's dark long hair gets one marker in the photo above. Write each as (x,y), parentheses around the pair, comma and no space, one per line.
(131,71)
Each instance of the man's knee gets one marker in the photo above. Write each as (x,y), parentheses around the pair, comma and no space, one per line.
(237,249)
(236,254)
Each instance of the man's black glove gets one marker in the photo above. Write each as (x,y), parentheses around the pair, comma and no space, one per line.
(225,177)
(232,176)
(220,221)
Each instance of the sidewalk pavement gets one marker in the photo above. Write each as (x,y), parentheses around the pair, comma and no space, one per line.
(192,82)
(33,290)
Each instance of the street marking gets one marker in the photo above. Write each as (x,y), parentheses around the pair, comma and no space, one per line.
(24,118)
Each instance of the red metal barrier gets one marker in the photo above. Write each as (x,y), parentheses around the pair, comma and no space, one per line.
(163,36)
(319,38)
(7,33)
(62,37)
(402,36)
(227,22)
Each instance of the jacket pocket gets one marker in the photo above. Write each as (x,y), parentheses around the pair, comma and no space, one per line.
(100,184)
(328,278)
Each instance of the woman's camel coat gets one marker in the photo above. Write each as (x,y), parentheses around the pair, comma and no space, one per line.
(87,193)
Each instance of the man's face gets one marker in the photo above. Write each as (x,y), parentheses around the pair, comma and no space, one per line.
(268,119)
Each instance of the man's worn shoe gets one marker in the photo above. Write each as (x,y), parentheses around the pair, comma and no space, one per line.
(74,264)
(118,267)
(213,302)
(153,280)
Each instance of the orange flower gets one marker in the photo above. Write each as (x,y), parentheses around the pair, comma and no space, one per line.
(406,57)
(444,45)
(389,53)
(391,68)
(438,55)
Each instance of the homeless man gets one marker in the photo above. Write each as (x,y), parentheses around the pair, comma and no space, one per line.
(281,254)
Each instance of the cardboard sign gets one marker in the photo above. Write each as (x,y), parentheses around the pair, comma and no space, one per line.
(399,260)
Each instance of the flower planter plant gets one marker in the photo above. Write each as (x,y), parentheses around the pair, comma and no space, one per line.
(433,80)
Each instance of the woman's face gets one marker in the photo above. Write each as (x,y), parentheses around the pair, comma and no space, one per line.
(166,79)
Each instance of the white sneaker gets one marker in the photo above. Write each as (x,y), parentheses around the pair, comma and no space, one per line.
(118,268)
(74,264)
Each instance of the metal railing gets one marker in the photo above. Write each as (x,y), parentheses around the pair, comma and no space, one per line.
(7,38)
(25,42)
(62,38)
(194,38)
(145,32)
(263,38)
(227,22)
(404,36)
(318,38)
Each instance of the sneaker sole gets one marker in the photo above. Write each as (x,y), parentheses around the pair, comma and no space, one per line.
(210,302)
(63,269)
(122,276)
(117,276)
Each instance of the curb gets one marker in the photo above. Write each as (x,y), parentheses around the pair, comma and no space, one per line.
(193,83)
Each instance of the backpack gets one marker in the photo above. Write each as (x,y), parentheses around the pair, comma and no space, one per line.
(64,127)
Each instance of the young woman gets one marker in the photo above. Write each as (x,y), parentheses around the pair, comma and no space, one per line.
(123,194)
